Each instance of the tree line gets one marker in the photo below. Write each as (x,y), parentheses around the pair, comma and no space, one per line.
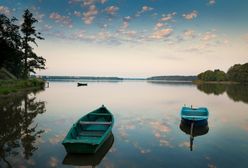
(236,73)
(17,55)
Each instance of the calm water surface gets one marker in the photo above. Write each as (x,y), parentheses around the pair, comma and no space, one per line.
(146,133)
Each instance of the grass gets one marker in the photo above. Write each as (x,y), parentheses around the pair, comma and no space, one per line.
(12,86)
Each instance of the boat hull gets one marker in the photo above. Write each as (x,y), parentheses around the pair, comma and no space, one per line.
(82,84)
(90,159)
(79,147)
(196,122)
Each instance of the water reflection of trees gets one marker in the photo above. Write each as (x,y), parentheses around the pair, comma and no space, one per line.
(215,89)
(18,131)
(236,92)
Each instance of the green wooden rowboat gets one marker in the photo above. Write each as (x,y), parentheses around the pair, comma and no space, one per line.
(89,133)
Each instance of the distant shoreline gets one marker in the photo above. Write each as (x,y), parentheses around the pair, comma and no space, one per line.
(173,78)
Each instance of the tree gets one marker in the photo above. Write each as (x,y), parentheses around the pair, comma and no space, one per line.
(216,75)
(220,75)
(10,45)
(30,34)
(238,73)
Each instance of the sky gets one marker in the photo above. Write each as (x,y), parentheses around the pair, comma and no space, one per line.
(137,38)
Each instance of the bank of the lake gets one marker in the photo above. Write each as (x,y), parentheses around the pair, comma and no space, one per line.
(214,82)
(14,86)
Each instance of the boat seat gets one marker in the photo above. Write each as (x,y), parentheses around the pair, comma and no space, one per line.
(94,123)
(91,133)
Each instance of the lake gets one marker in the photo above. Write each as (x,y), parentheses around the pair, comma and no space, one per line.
(146,132)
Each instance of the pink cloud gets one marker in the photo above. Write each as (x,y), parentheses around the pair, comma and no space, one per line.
(89,2)
(208,36)
(89,16)
(168,17)
(76,13)
(74,1)
(211,2)
(5,10)
(158,26)
(64,20)
(160,34)
(112,10)
(191,15)
(189,33)
(143,9)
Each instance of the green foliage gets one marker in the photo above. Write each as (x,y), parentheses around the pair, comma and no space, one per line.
(238,73)
(215,75)
(17,55)
(10,45)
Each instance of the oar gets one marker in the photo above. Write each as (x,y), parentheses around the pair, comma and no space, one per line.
(191,136)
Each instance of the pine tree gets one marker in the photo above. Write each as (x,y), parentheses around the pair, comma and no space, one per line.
(30,34)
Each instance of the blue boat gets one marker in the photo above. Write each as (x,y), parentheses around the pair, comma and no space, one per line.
(198,116)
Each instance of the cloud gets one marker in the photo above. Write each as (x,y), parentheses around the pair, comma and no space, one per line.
(211,2)
(125,25)
(168,17)
(191,15)
(75,1)
(89,16)
(88,2)
(199,48)
(160,34)
(158,26)
(102,1)
(146,8)
(64,20)
(47,27)
(112,10)
(39,16)
(5,10)
(208,36)
(127,18)
(143,10)
(189,33)
(246,37)
(76,13)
